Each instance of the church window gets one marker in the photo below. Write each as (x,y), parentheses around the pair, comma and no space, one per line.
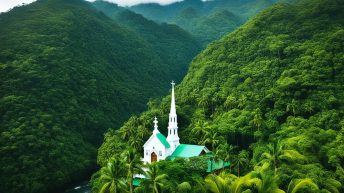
(146,152)
(174,131)
(160,153)
(153,147)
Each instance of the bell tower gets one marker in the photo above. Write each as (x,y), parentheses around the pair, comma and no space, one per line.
(172,136)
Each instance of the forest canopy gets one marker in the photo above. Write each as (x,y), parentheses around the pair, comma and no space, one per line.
(273,89)
(67,74)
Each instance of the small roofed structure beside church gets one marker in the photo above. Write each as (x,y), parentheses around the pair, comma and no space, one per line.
(158,147)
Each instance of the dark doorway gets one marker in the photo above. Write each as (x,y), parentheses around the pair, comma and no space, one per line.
(154,157)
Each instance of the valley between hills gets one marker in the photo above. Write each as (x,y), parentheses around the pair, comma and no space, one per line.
(258,86)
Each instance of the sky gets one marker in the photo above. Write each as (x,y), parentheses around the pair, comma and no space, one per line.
(5,5)
(134,2)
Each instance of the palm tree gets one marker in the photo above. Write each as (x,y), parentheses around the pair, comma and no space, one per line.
(217,184)
(203,102)
(276,154)
(184,187)
(257,120)
(142,132)
(129,128)
(211,138)
(140,190)
(111,177)
(230,102)
(300,184)
(332,185)
(266,181)
(154,180)
(133,165)
(163,109)
(200,186)
(242,101)
(200,129)
(135,142)
(219,154)
(225,153)
(293,107)
(241,160)
(214,101)
(241,183)
(308,107)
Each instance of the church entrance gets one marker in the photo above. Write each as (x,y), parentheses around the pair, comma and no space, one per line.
(154,157)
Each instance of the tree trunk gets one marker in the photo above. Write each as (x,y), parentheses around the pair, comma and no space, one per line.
(238,171)
(131,185)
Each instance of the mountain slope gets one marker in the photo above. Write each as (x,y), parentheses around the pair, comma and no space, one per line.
(172,44)
(210,27)
(279,77)
(67,74)
(206,20)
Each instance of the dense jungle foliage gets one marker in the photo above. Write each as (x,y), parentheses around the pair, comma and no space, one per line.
(173,45)
(67,74)
(267,97)
(206,20)
(207,28)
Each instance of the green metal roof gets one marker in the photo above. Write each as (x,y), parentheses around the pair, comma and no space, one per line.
(187,150)
(136,182)
(163,140)
(215,165)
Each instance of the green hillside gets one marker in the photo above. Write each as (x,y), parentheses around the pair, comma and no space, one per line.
(172,44)
(275,85)
(206,20)
(210,27)
(67,74)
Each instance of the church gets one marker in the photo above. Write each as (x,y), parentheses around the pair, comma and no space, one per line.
(158,147)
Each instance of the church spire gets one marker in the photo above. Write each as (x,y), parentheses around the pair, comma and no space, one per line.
(155,131)
(173,102)
(172,137)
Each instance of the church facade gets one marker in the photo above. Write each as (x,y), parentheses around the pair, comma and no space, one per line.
(158,147)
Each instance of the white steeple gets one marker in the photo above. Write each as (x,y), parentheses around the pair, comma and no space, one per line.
(172,136)
(155,131)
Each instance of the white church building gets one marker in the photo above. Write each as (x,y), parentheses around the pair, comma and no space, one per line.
(158,147)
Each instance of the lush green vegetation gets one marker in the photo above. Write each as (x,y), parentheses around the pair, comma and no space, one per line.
(67,74)
(273,90)
(210,27)
(206,20)
(173,45)
(167,13)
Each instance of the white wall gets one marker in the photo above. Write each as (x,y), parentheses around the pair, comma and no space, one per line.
(154,145)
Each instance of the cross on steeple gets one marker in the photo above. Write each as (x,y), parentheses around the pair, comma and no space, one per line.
(155,126)
(155,122)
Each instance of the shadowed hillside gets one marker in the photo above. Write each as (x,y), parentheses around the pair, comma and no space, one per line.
(67,74)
